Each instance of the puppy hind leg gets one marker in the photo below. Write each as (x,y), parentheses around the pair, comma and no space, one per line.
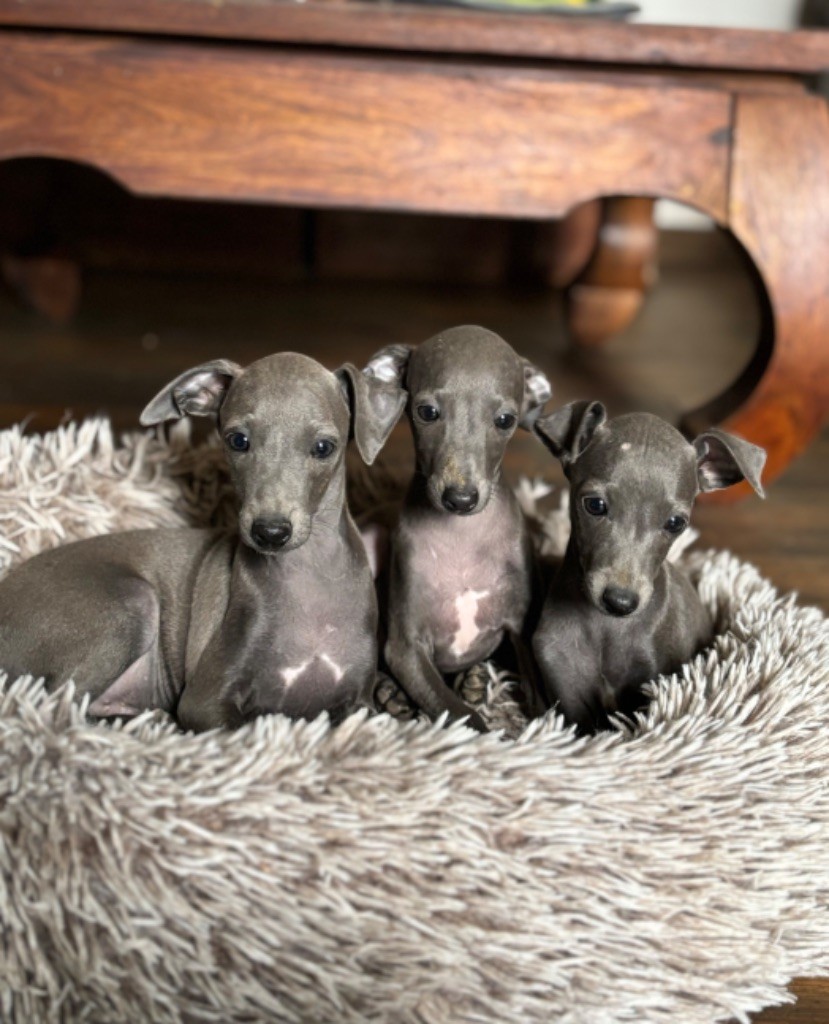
(132,692)
(138,686)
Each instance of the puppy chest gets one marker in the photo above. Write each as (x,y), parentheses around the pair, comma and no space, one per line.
(467,600)
(319,645)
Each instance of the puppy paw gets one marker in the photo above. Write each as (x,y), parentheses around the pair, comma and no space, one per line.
(391,699)
(472,686)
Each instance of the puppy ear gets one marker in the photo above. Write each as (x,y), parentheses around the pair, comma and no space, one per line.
(389,364)
(196,392)
(724,460)
(375,408)
(569,430)
(537,391)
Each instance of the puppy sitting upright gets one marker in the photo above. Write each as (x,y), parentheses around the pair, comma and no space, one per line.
(461,564)
(223,627)
(617,614)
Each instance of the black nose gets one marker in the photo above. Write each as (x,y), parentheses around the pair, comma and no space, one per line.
(270,533)
(459,499)
(619,601)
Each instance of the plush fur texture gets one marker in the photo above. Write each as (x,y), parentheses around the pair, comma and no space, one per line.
(676,870)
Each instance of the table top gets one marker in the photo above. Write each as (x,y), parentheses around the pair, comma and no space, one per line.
(413,28)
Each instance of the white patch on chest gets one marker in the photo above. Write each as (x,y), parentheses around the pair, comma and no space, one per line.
(625,446)
(466,605)
(335,668)
(290,675)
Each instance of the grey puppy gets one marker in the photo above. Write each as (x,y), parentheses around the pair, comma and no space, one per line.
(461,559)
(219,627)
(617,614)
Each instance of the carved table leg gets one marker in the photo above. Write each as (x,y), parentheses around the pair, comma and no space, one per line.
(609,293)
(779,211)
(573,243)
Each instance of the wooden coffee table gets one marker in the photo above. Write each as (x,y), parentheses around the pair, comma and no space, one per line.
(373,106)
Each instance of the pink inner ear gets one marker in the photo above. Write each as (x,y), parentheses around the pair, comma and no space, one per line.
(538,385)
(201,394)
(383,367)
(715,470)
(708,481)
(132,691)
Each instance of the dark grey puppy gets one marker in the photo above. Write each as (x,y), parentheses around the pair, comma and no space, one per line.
(617,614)
(461,560)
(218,627)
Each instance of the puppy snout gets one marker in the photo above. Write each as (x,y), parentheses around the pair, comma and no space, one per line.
(620,600)
(460,500)
(271,533)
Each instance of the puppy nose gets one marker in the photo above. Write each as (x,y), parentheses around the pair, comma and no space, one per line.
(619,601)
(271,533)
(459,499)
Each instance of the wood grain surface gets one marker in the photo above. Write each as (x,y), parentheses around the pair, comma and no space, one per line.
(435,29)
(232,122)
(779,211)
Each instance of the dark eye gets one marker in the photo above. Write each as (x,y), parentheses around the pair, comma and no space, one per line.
(428,413)
(676,524)
(237,441)
(595,506)
(323,448)
(505,421)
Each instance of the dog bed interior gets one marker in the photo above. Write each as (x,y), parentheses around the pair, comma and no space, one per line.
(676,869)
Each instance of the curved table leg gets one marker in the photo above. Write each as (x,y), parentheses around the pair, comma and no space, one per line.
(574,242)
(610,291)
(779,211)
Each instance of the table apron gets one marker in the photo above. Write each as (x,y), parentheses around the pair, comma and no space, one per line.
(313,128)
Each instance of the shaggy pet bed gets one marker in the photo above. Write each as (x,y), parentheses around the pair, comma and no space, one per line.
(676,870)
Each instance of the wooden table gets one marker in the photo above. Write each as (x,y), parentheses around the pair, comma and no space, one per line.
(389,107)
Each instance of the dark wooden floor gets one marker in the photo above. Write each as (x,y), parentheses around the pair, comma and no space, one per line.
(135,331)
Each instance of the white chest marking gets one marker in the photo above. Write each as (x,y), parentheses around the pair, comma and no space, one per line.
(335,668)
(290,675)
(466,605)
(625,446)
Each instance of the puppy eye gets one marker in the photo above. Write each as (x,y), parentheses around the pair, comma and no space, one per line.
(505,421)
(676,524)
(594,505)
(237,441)
(323,448)
(428,413)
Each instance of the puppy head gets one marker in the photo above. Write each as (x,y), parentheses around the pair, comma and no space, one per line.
(285,421)
(468,391)
(633,482)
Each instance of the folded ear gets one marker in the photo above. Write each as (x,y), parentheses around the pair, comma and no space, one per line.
(196,392)
(569,430)
(389,364)
(375,408)
(537,390)
(724,460)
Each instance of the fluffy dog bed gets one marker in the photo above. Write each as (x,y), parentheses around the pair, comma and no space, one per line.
(674,871)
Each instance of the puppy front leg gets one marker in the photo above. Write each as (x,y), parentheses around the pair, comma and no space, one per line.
(204,705)
(414,669)
(529,674)
(218,689)
(572,684)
